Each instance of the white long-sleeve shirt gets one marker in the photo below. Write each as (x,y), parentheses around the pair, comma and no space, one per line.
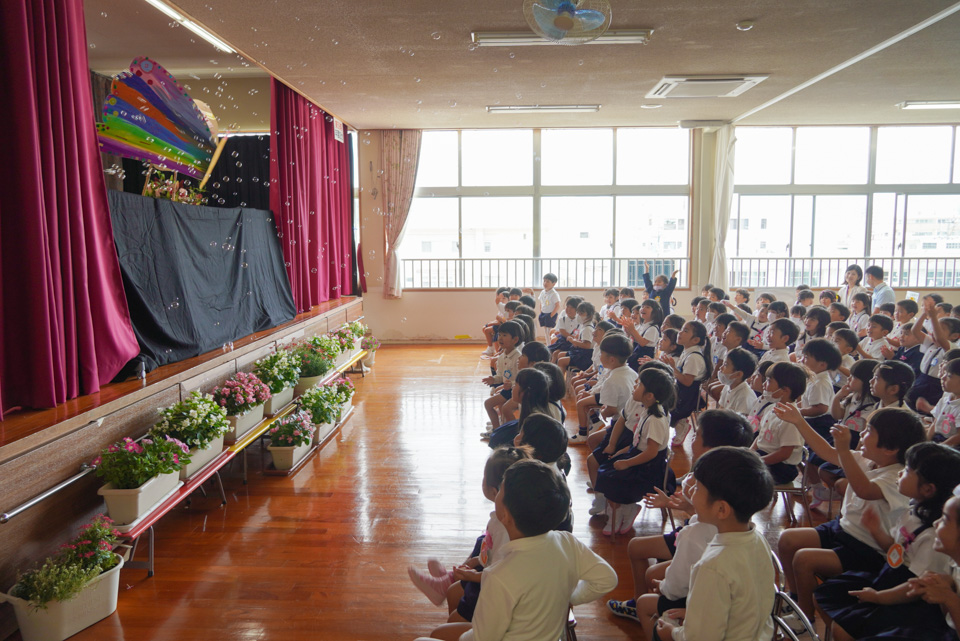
(525,594)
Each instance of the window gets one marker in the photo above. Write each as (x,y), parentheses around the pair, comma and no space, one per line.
(497,158)
(832,155)
(653,157)
(918,155)
(576,157)
(763,155)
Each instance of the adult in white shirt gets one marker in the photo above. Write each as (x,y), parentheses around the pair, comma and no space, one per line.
(852,279)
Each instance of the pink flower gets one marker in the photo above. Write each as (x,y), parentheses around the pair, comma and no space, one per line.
(176,459)
(97,461)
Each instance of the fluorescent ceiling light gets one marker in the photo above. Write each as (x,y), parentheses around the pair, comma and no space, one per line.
(930,104)
(540,109)
(191,25)
(528,38)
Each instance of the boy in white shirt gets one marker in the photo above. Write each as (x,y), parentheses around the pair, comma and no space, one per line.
(737,396)
(731,594)
(612,394)
(877,329)
(508,365)
(943,336)
(779,443)
(541,572)
(783,332)
(549,299)
(490,329)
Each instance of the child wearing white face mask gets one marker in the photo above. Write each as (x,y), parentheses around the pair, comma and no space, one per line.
(779,442)
(737,396)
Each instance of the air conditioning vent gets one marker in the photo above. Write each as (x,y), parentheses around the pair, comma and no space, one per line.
(704,86)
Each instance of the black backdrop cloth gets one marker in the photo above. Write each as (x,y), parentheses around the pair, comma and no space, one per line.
(197,278)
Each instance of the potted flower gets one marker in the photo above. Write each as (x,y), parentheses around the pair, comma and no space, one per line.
(321,403)
(316,359)
(358,329)
(342,394)
(280,372)
(370,345)
(139,475)
(242,396)
(201,423)
(71,590)
(290,440)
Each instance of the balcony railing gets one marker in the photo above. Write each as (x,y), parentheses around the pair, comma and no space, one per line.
(573,273)
(920,273)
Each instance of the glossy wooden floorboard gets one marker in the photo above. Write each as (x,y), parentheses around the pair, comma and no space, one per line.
(323,555)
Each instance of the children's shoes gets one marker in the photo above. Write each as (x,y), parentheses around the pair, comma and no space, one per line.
(628,514)
(625,609)
(433,587)
(599,504)
(612,515)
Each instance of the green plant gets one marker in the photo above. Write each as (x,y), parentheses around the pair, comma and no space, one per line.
(328,345)
(357,328)
(63,576)
(128,464)
(292,431)
(370,343)
(314,360)
(278,371)
(342,390)
(321,402)
(197,420)
(241,393)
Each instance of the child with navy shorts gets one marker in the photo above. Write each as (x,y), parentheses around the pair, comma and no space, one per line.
(549,300)
(580,353)
(567,324)
(611,394)
(585,379)
(778,443)
(511,342)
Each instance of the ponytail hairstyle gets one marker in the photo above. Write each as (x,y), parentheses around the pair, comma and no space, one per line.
(656,312)
(498,462)
(663,388)
(699,331)
(938,465)
(897,373)
(536,392)
(587,309)
(862,370)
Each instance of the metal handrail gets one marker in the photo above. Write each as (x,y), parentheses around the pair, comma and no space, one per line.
(86,468)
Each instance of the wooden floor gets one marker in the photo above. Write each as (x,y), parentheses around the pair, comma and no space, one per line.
(323,555)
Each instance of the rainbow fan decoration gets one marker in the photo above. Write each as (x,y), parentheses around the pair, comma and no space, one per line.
(149,116)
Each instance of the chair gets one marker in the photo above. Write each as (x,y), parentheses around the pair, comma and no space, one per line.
(665,511)
(798,487)
(571,628)
(783,601)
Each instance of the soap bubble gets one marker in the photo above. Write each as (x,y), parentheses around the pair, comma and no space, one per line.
(313,271)
(416,79)
(214,243)
(436,35)
(235,154)
(473,46)
(512,55)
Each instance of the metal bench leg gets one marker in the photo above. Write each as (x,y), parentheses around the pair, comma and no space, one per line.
(150,552)
(223,495)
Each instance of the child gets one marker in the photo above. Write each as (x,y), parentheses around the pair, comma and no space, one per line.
(460,586)
(515,293)
(778,443)
(839,312)
(845,544)
(690,370)
(909,350)
(612,394)
(860,313)
(741,297)
(611,305)
(820,357)
(533,394)
(631,472)
(530,354)
(508,363)
(815,321)
(673,321)
(703,307)
(850,600)
(668,343)
(827,298)
(683,547)
(733,337)
(540,573)
(944,335)
(582,380)
(546,436)
(905,310)
(846,341)
(644,328)
(566,325)
(756,324)
(890,383)
(581,343)
(661,289)
(730,591)
(943,425)
(877,329)
(783,332)
(716,294)
(490,329)
(805,298)
(765,298)
(549,300)
(736,396)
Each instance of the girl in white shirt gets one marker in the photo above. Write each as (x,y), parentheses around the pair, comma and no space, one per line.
(645,333)
(581,342)
(944,426)
(690,370)
(890,383)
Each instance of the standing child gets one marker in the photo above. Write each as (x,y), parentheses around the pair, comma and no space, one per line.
(778,443)
(690,370)
(731,593)
(549,299)
(661,288)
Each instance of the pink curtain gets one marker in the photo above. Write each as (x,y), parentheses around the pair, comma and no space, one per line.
(400,153)
(64,325)
(311,198)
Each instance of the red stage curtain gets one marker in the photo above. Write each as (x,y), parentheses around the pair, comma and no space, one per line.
(311,198)
(64,323)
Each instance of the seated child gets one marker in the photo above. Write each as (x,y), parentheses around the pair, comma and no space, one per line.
(624,475)
(839,312)
(566,325)
(672,321)
(684,546)
(734,336)
(533,391)
(764,401)
(741,297)
(643,327)
(581,342)
(508,364)
(661,288)
(690,370)
(717,351)
(890,382)
(827,298)
(860,313)
(945,332)
(805,297)
(943,424)
(815,321)
(532,353)
(909,350)
(737,368)
(582,380)
(904,312)
(490,329)
(782,333)
(821,357)
(548,439)
(845,544)
(541,572)
(612,394)
(731,592)
(460,586)
(611,304)
(851,600)
(846,341)
(778,443)
(877,329)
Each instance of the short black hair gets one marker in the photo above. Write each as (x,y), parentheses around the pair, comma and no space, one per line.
(674,321)
(767,296)
(889,308)
(718,292)
(516,291)
(660,365)
(740,329)
(848,336)
(745,308)
(617,345)
(863,297)
(724,427)
(526,309)
(724,319)
(743,292)
(802,286)
(707,287)
(511,305)
(791,376)
(842,309)
(935,297)
(545,435)
(717,307)
(513,328)
(951,354)
(551,277)
(786,327)
(627,291)
(837,325)
(611,291)
(798,310)
(498,462)
(742,361)
(536,352)
(529,301)
(558,384)
(897,429)
(629,304)
(874,270)
(535,496)
(805,294)
(696,300)
(909,306)
(829,295)
(952,325)
(946,307)
(825,351)
(778,307)
(737,476)
(884,322)
(503,290)
(573,301)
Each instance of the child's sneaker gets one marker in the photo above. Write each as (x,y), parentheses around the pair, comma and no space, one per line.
(489,352)
(436,568)
(486,436)
(433,587)
(822,494)
(625,609)
(628,514)
(682,429)
(612,516)
(599,504)
(580,436)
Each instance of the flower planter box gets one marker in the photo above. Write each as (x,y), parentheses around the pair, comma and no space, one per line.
(306,383)
(344,409)
(62,619)
(126,506)
(323,431)
(200,457)
(285,458)
(342,359)
(243,423)
(278,401)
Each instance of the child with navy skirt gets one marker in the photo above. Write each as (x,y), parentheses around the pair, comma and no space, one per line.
(945,423)
(633,471)
(690,371)
(853,600)
(644,328)
(580,352)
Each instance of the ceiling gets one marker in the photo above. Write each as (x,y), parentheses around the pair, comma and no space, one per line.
(407,64)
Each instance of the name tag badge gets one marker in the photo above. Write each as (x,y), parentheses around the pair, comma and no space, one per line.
(895,555)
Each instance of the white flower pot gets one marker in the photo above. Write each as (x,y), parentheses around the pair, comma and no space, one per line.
(126,506)
(278,401)
(369,359)
(342,359)
(345,408)
(200,457)
(286,458)
(323,430)
(62,619)
(306,383)
(243,423)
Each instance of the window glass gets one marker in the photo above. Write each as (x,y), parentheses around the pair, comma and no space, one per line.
(576,227)
(653,156)
(576,157)
(763,155)
(431,229)
(832,155)
(919,155)
(496,227)
(839,240)
(438,160)
(887,225)
(802,241)
(497,157)
(956,158)
(763,226)
(933,225)
(652,226)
